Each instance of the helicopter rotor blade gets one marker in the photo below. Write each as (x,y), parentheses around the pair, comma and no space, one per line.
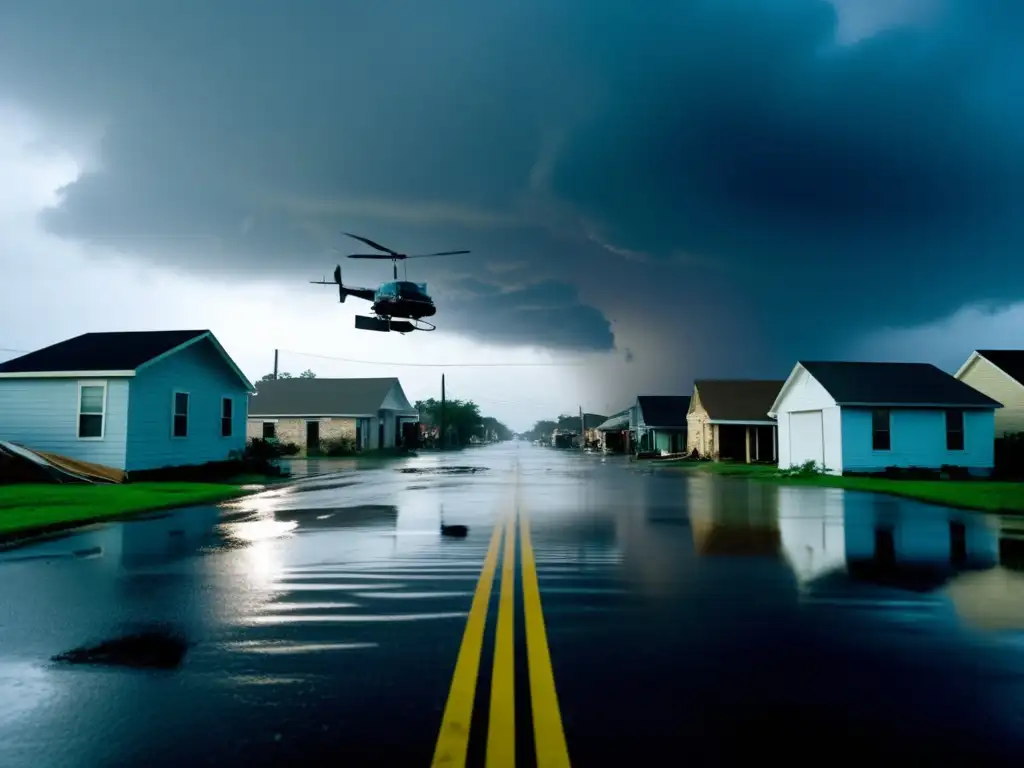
(371,256)
(439,253)
(372,244)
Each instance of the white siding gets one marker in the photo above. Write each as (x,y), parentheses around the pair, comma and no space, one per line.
(991,381)
(809,423)
(42,414)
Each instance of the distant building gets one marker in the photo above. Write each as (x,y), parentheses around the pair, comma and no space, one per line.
(1000,375)
(659,422)
(866,417)
(133,400)
(371,413)
(728,419)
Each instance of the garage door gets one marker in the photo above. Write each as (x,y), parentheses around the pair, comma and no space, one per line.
(805,438)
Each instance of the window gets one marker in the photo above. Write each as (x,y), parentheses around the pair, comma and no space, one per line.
(226,416)
(180,428)
(269,430)
(954,430)
(92,405)
(881,440)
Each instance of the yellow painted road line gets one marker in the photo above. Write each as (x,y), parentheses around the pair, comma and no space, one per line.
(453,739)
(548,733)
(501,727)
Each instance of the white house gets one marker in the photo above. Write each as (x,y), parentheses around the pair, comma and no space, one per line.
(864,417)
(999,373)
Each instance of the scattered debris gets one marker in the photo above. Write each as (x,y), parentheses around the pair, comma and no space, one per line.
(441,470)
(20,464)
(149,649)
(454,531)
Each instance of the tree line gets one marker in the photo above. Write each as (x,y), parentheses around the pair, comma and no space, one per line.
(542,429)
(462,421)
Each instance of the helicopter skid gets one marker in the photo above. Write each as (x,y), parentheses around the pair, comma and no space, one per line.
(387,325)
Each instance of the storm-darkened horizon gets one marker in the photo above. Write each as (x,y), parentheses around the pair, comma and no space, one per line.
(697,189)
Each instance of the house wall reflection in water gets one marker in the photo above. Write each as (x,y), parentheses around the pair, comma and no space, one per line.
(881,539)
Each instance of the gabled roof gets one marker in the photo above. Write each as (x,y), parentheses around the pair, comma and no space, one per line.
(619,421)
(320,397)
(892,384)
(118,353)
(664,410)
(740,400)
(1009,361)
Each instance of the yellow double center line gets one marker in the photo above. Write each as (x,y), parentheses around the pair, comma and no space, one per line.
(549,735)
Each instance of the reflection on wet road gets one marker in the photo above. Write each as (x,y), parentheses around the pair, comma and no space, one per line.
(635,617)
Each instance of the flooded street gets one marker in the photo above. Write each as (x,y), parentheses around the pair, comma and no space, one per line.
(687,618)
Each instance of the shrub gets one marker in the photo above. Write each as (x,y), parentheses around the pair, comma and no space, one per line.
(340,446)
(266,450)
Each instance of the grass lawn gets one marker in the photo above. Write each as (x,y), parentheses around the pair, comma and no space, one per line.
(24,508)
(973,494)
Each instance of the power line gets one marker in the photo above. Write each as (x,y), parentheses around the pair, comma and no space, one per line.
(437,365)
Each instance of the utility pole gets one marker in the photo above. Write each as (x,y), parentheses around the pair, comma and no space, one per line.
(583,430)
(275,364)
(441,432)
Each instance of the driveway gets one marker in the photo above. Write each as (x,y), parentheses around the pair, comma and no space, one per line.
(647,617)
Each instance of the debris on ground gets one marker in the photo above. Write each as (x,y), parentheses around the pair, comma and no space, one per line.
(21,464)
(459,470)
(149,649)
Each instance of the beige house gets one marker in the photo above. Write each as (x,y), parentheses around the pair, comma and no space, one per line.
(728,420)
(1000,375)
(372,413)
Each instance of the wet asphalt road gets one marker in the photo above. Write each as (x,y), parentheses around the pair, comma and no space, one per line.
(689,619)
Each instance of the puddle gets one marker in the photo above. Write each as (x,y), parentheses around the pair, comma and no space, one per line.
(150,649)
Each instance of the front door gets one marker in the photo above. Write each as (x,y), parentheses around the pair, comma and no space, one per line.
(380,434)
(312,438)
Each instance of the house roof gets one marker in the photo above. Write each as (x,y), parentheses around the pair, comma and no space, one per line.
(591,420)
(664,410)
(1009,361)
(740,400)
(895,384)
(117,353)
(619,421)
(120,351)
(320,397)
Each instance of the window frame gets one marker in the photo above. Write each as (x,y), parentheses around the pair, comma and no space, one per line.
(175,414)
(263,430)
(887,430)
(229,419)
(961,431)
(82,384)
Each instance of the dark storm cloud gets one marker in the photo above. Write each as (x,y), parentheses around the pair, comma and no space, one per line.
(721,166)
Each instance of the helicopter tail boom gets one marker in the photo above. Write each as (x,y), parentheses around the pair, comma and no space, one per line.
(343,290)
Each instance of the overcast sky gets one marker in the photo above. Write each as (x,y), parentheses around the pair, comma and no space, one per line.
(652,192)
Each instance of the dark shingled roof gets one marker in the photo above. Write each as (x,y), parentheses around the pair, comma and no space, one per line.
(664,410)
(118,351)
(738,399)
(1009,361)
(910,384)
(320,397)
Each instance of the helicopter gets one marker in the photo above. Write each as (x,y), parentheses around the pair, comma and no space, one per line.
(398,305)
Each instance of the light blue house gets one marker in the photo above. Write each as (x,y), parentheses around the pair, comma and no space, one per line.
(867,417)
(134,400)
